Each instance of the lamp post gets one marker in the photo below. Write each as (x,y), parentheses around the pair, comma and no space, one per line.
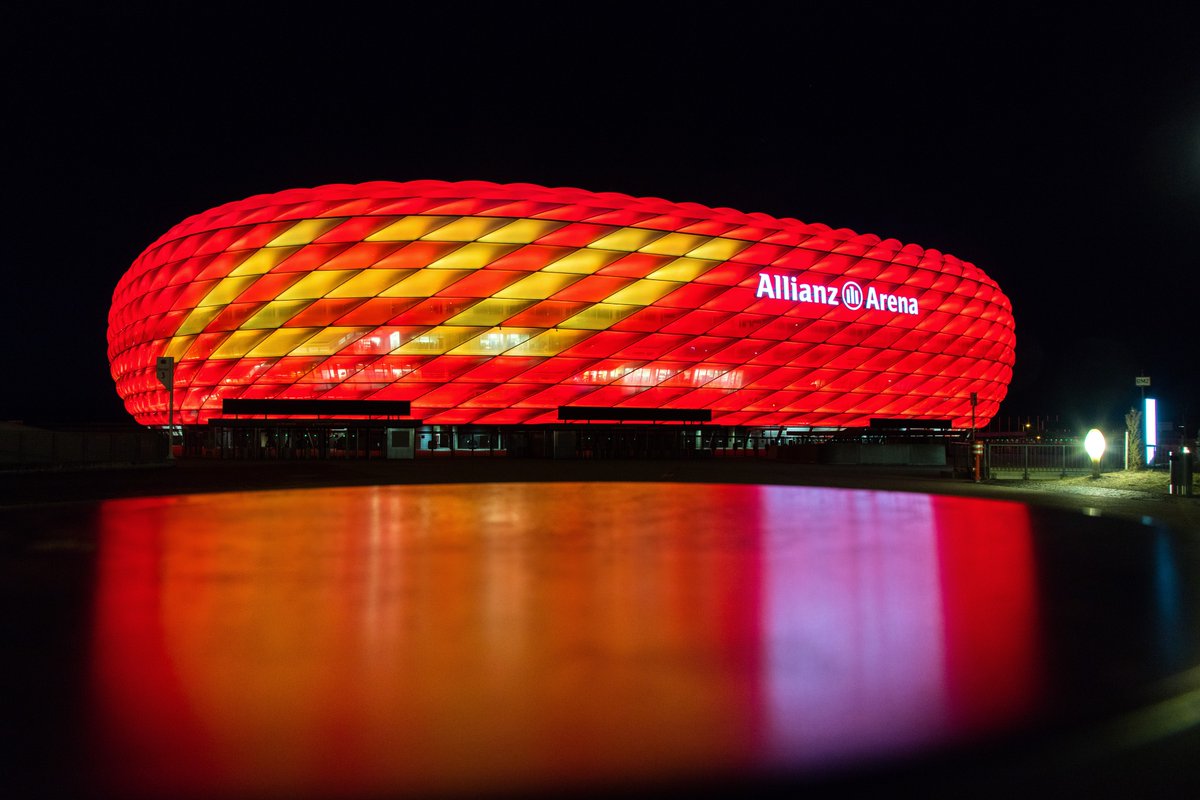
(164,370)
(974,402)
(1093,443)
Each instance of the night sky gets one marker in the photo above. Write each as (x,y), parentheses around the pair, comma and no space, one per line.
(1058,151)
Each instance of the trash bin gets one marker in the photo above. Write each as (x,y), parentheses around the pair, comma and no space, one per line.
(1182,468)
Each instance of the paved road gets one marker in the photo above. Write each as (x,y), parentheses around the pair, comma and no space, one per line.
(184,477)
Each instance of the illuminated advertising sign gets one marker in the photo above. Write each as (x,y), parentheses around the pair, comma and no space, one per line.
(496,304)
(786,287)
(1151,417)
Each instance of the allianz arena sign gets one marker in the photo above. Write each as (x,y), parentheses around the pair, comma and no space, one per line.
(490,304)
(785,287)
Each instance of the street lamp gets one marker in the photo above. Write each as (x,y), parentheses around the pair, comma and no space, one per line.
(1094,444)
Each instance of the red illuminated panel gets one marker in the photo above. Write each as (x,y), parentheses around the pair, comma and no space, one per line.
(558,280)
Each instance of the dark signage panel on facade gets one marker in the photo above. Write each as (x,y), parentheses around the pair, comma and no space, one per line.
(324,408)
(572,413)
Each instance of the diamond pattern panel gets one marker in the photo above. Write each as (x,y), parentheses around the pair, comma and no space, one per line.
(496,304)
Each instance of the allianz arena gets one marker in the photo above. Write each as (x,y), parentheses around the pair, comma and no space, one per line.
(488,304)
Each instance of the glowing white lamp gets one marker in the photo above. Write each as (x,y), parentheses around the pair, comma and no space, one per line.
(1094,444)
(1151,418)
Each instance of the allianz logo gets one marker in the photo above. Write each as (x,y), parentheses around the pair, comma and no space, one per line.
(848,294)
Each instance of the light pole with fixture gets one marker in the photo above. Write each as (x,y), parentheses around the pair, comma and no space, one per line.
(164,370)
(1093,443)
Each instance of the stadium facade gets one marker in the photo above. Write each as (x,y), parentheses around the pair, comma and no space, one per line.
(499,305)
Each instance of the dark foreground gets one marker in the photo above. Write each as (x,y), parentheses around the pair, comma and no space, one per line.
(501,628)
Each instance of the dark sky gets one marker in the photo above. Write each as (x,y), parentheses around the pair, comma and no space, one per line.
(1057,150)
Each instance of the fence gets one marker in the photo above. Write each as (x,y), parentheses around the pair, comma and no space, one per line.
(24,447)
(1055,460)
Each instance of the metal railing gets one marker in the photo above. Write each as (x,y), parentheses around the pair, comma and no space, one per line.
(1031,460)
(26,447)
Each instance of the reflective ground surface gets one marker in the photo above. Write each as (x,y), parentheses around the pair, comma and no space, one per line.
(513,638)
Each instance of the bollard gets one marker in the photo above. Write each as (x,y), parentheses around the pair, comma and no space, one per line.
(1181,472)
(977,450)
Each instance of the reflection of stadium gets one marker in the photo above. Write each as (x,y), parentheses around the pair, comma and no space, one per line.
(496,305)
(887,624)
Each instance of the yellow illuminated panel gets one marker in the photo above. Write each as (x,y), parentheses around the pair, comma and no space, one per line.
(408,229)
(466,229)
(264,260)
(305,231)
(178,346)
(282,342)
(683,269)
(643,292)
(495,342)
(436,341)
(227,291)
(328,341)
(316,284)
(473,256)
(550,343)
(198,319)
(583,262)
(674,244)
(424,283)
(275,313)
(239,343)
(626,239)
(599,316)
(492,311)
(539,285)
(370,282)
(719,249)
(523,231)
(198,351)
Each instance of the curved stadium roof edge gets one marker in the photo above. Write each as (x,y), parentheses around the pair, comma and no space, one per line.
(526,191)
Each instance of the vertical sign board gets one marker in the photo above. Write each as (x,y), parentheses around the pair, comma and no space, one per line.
(1151,417)
(164,370)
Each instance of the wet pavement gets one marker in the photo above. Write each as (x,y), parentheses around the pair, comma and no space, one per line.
(649,637)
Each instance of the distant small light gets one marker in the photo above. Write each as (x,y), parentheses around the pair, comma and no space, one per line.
(1094,444)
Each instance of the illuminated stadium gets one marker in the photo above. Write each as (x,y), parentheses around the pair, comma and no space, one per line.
(481,304)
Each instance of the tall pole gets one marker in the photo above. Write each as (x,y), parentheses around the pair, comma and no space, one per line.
(171,419)
(164,370)
(974,402)
(976,447)
(1149,437)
